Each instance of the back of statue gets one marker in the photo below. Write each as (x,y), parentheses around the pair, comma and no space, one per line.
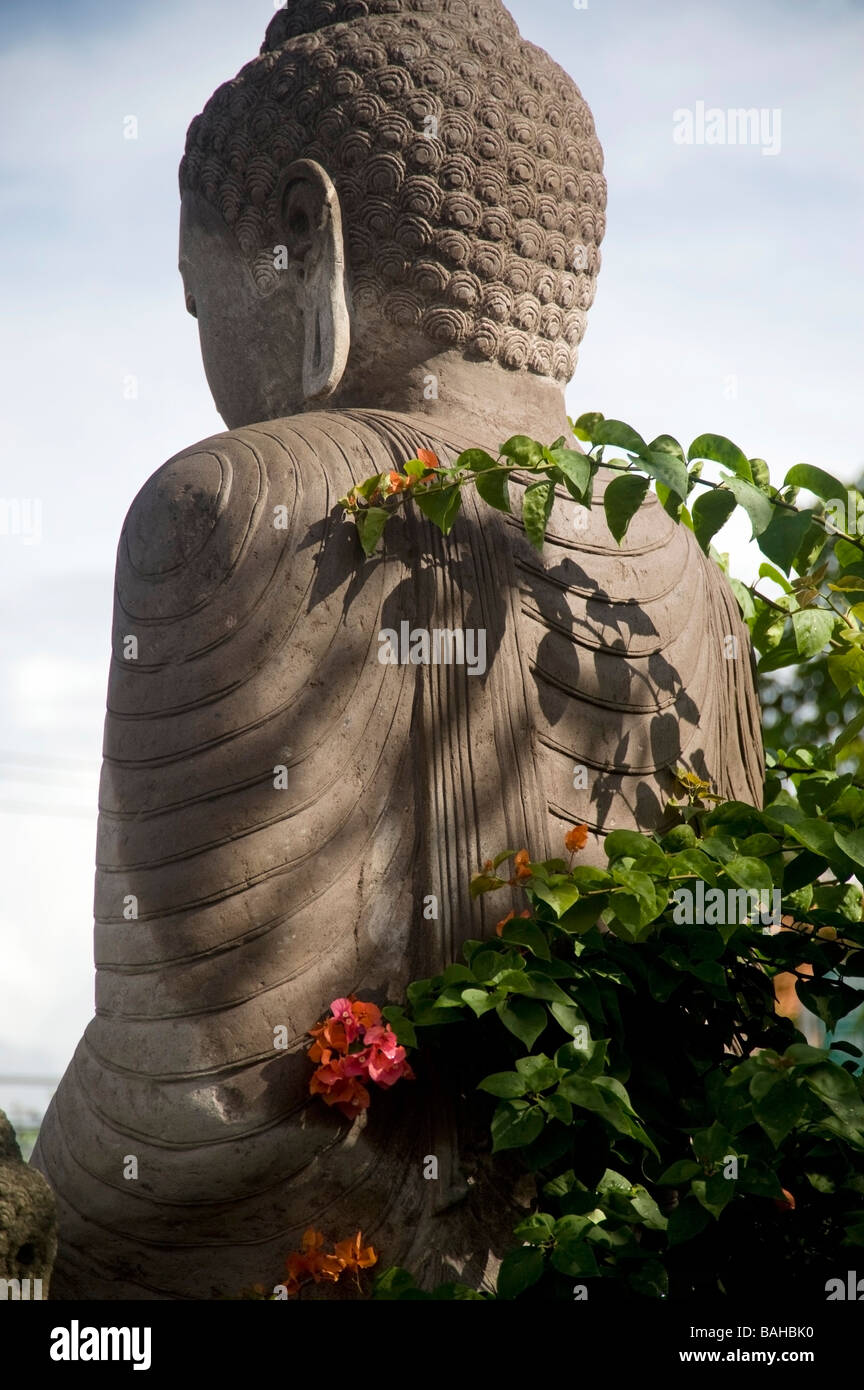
(389,234)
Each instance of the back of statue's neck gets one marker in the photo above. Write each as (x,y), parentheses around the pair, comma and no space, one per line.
(479,399)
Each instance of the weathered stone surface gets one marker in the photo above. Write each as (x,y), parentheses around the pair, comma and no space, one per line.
(185,1150)
(28,1216)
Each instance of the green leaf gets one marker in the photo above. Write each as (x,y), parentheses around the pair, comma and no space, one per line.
(622,500)
(815,480)
(525,452)
(392,1283)
(828,1000)
(630,843)
(713,1193)
(560,896)
(525,1019)
(480,1000)
(519,1270)
(814,835)
(642,902)
(544,1076)
(402,1026)
(558,1108)
(493,488)
(711,511)
(520,932)
(585,426)
(667,469)
(848,553)
(761,473)
(644,1205)
(758,1181)
(666,444)
(441,507)
(622,436)
(568,1016)
(852,730)
(767,571)
(719,449)
(371,485)
(515,1128)
(650,1279)
(838,1090)
(679,1172)
(749,873)
(535,1229)
(780,1109)
(536,507)
(477,460)
(744,598)
(687,1220)
(505,1084)
(852,844)
(813,628)
(847,669)
(536,1065)
(575,467)
(785,654)
(757,506)
(370,524)
(574,1257)
(415,469)
(783,537)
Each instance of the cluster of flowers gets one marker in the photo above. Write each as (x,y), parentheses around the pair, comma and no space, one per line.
(353,1046)
(393,482)
(310,1262)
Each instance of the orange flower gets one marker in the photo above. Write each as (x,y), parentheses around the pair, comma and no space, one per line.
(399,482)
(296,1271)
(367,1015)
(502,924)
(576,838)
(504,920)
(348,1095)
(329,1036)
(311,1262)
(522,864)
(426,456)
(319,1265)
(354,1255)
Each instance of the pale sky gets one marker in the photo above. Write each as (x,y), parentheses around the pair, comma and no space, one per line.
(729,301)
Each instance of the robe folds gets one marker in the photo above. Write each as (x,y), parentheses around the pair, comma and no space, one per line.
(281,810)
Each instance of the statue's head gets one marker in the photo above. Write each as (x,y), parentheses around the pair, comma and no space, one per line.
(388,181)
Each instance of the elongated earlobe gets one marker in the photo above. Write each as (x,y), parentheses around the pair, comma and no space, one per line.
(312,221)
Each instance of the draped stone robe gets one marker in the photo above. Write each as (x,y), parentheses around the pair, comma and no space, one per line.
(261,896)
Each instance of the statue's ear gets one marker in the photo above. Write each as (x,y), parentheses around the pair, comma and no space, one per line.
(312,233)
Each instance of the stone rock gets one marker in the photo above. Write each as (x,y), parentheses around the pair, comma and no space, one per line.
(28,1218)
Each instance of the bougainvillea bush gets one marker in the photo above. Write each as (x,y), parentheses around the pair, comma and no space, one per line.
(683,1137)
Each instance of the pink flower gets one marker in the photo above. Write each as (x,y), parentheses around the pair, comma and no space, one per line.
(343,1011)
(385,1059)
(355,1016)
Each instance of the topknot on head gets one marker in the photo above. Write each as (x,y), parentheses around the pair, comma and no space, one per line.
(298,17)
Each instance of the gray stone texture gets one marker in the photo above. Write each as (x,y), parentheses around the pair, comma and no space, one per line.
(427,300)
(28,1217)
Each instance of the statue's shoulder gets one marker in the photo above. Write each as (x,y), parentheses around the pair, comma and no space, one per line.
(221,483)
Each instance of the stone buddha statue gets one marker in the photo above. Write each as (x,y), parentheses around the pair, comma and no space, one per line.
(389,237)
